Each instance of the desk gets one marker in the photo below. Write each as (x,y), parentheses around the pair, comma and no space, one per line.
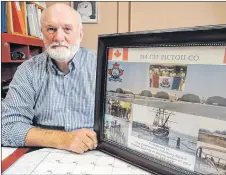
(6,151)
(53,161)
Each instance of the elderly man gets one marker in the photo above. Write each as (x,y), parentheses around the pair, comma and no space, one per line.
(50,102)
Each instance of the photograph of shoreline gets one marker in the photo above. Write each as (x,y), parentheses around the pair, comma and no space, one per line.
(211,148)
(167,128)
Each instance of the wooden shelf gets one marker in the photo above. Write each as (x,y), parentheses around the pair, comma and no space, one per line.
(22,39)
(18,41)
(28,45)
(13,61)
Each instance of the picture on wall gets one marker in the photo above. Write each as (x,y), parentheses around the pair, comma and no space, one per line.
(87,9)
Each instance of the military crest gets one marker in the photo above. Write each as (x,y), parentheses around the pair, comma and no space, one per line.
(115,72)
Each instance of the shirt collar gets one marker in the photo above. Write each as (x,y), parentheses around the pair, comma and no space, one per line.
(74,64)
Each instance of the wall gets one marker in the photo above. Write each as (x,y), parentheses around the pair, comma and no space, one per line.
(121,17)
(160,15)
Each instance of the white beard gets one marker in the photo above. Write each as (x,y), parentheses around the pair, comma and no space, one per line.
(62,54)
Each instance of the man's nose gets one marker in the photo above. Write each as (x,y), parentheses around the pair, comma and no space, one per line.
(60,35)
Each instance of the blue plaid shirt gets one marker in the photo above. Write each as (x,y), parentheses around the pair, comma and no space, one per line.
(40,94)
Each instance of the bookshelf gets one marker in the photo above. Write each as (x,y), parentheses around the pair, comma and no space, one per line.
(28,45)
(21,41)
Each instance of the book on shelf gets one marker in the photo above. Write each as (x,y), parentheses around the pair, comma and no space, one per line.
(41,3)
(3,17)
(22,18)
(33,21)
(18,20)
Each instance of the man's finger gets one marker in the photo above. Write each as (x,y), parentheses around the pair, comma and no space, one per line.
(92,135)
(88,142)
(77,149)
(83,146)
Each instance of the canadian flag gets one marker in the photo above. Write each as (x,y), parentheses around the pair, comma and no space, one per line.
(118,54)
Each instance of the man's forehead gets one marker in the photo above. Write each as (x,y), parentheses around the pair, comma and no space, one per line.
(55,18)
(59,21)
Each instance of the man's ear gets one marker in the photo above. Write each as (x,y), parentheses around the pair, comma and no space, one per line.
(81,34)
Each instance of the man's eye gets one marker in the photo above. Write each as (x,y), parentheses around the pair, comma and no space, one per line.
(51,29)
(67,29)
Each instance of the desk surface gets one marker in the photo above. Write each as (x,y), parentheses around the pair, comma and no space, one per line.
(6,151)
(53,161)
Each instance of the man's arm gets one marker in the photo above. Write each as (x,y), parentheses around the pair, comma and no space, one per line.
(77,141)
(17,107)
(18,112)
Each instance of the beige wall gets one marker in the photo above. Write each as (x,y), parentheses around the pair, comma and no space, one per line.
(159,15)
(136,16)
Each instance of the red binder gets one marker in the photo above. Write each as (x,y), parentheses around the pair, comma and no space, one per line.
(18,20)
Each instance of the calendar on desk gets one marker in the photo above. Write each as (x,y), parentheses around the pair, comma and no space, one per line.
(55,162)
(161,99)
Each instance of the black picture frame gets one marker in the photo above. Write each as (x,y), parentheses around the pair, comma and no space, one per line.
(92,11)
(192,36)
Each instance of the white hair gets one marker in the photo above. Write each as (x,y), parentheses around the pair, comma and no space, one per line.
(62,54)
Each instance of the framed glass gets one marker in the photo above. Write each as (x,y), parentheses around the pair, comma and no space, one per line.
(161,99)
(89,11)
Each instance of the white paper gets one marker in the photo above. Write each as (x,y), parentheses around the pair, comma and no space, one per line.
(53,161)
(7,151)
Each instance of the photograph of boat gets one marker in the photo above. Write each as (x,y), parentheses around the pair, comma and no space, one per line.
(211,148)
(160,124)
(174,130)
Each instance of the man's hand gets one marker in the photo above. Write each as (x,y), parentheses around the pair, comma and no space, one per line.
(79,140)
